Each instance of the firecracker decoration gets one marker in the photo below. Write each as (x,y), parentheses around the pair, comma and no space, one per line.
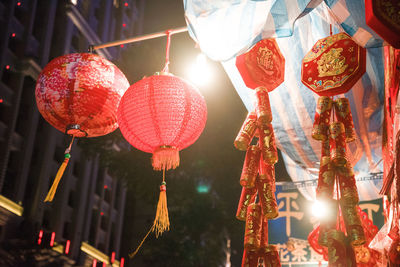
(337,249)
(258,179)
(337,142)
(250,167)
(247,132)
(333,65)
(362,255)
(321,119)
(343,115)
(383,16)
(78,94)
(263,107)
(162,114)
(252,234)
(266,192)
(262,66)
(247,197)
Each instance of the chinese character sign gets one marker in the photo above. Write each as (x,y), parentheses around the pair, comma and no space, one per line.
(289,231)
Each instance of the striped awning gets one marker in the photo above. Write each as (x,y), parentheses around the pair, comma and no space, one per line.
(225,29)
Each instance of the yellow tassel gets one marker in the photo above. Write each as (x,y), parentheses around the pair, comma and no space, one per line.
(60,172)
(161,221)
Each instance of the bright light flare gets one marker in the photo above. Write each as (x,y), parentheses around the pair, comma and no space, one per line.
(319,209)
(199,73)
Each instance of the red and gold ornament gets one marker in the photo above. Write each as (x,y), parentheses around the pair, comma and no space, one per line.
(383,16)
(333,65)
(263,65)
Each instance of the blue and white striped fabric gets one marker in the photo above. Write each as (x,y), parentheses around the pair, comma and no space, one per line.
(293,106)
(227,28)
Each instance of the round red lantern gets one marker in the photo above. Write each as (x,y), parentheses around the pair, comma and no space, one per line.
(263,65)
(333,65)
(162,114)
(79,94)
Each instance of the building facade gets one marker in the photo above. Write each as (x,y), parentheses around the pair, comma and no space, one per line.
(85,218)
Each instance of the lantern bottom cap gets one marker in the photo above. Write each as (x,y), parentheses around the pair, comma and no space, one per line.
(75,130)
(165,158)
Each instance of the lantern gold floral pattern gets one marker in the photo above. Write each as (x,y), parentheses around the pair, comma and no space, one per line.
(78,94)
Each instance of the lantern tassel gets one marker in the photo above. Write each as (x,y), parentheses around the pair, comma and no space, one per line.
(60,172)
(161,221)
(165,158)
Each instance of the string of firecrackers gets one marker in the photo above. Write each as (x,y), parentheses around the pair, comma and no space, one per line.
(262,68)
(258,179)
(332,67)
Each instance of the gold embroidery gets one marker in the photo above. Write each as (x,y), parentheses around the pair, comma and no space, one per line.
(331,63)
(264,59)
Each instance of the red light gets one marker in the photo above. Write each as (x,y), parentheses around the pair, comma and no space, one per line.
(126,4)
(101,213)
(19,4)
(124,25)
(53,236)
(112,257)
(67,245)
(122,45)
(1,100)
(13,34)
(7,67)
(105,187)
(40,237)
(121,264)
(94,263)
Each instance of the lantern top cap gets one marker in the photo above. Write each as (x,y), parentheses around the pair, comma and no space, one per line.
(163,73)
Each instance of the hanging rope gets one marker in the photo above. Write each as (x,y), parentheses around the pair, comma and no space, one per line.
(166,67)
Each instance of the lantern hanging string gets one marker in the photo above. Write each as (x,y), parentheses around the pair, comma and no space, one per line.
(139,38)
(60,172)
(166,67)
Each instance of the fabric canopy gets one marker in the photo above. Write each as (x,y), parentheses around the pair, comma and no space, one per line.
(225,29)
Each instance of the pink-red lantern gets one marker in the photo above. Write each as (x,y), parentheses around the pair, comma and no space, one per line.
(162,114)
(333,65)
(79,94)
(263,65)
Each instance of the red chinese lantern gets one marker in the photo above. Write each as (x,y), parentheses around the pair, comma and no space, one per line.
(383,16)
(162,114)
(263,65)
(333,65)
(78,94)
